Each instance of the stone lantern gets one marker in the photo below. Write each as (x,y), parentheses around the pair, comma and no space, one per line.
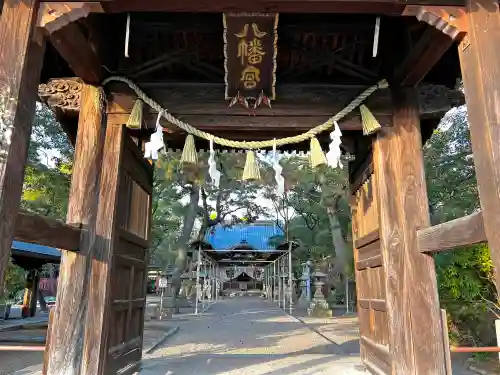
(305,280)
(318,306)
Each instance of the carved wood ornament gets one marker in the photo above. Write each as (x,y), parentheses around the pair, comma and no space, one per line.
(62,93)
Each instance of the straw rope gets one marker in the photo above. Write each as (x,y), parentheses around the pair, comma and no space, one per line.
(253,144)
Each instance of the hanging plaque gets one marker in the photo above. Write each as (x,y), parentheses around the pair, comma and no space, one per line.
(250,50)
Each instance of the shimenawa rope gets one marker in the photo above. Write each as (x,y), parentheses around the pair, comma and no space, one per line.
(253,144)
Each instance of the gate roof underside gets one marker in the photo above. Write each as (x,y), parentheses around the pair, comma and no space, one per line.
(324,61)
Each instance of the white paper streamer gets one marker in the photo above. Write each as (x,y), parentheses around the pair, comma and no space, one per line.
(278,169)
(334,152)
(155,143)
(375,37)
(212,167)
(127,35)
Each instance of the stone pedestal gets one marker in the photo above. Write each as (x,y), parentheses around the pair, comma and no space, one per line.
(319,309)
(303,302)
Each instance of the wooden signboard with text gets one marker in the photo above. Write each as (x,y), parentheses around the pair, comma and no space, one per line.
(250,49)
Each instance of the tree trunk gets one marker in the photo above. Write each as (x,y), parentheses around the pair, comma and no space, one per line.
(41,300)
(341,249)
(182,244)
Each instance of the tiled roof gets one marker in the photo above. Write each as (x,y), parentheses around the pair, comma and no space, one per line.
(256,235)
(35,249)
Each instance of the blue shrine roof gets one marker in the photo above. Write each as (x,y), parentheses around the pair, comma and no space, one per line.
(35,249)
(255,235)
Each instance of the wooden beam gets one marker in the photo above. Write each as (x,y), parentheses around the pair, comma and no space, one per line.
(467,230)
(367,239)
(208,100)
(40,230)
(67,330)
(446,339)
(299,106)
(75,48)
(21,59)
(425,54)
(294,100)
(98,315)
(392,7)
(479,58)
(381,351)
(52,16)
(446,27)
(261,124)
(411,290)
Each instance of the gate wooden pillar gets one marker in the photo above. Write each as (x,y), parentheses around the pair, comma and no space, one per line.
(98,314)
(480,62)
(64,354)
(115,319)
(411,298)
(21,59)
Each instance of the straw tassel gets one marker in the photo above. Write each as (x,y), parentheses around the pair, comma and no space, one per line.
(189,154)
(317,155)
(135,119)
(370,123)
(251,171)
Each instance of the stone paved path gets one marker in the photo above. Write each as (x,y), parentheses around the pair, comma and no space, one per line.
(247,336)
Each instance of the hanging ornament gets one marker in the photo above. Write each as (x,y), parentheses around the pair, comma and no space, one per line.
(127,35)
(212,166)
(262,99)
(239,99)
(376,37)
(189,155)
(278,170)
(134,120)
(370,123)
(334,152)
(155,143)
(317,155)
(251,171)
(213,215)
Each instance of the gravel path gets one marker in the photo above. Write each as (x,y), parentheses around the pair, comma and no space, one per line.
(244,336)
(11,361)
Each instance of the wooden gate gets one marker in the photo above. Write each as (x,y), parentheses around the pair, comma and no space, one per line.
(396,280)
(131,178)
(373,323)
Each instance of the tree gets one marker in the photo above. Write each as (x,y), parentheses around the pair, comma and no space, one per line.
(465,276)
(14,281)
(48,171)
(233,196)
(321,216)
(175,182)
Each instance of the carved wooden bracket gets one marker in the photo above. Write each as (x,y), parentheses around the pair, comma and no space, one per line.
(52,16)
(449,20)
(64,93)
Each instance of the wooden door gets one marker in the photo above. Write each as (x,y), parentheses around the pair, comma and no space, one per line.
(128,279)
(370,280)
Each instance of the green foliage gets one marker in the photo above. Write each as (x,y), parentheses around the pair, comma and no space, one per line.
(48,173)
(465,276)
(314,211)
(14,281)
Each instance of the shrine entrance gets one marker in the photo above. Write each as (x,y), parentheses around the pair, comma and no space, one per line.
(365,82)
